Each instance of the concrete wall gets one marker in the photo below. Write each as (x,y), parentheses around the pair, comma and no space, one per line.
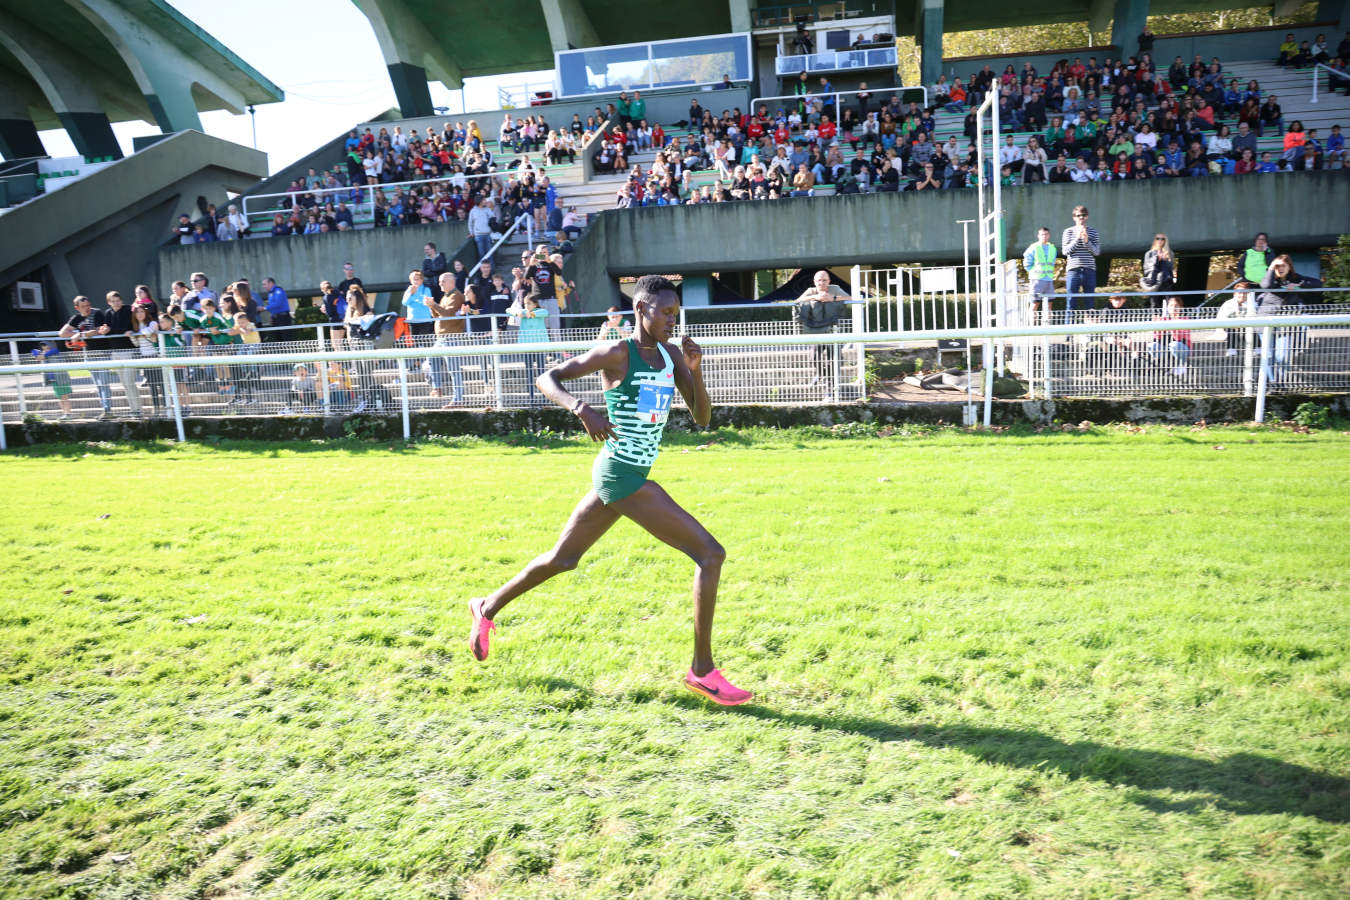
(102,232)
(1256,43)
(1199,215)
(383,257)
(662,106)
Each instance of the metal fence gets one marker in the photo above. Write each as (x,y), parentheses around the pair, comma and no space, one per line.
(1197,353)
(289,377)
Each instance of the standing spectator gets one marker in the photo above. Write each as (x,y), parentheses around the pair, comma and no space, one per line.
(145,328)
(1039,260)
(184,230)
(349,280)
(1256,260)
(117,324)
(449,315)
(201,290)
(481,280)
(1240,305)
(1159,272)
(1081,246)
(249,376)
(815,312)
(304,391)
(333,305)
(242,293)
(533,330)
(542,276)
(1176,344)
(278,309)
(433,264)
(80,329)
(460,275)
(359,317)
(415,310)
(1283,287)
(480,228)
(238,221)
(59,381)
(498,301)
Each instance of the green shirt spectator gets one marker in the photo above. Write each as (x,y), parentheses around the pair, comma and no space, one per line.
(637,109)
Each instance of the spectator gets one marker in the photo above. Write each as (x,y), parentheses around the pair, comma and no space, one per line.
(86,326)
(304,393)
(816,311)
(449,321)
(1039,261)
(1171,345)
(1033,162)
(247,377)
(416,312)
(479,227)
(1255,261)
(1159,271)
(361,317)
(1271,117)
(185,231)
(225,230)
(533,330)
(543,275)
(215,330)
(278,309)
(145,335)
(118,326)
(614,328)
(1241,304)
(433,264)
(47,352)
(1081,246)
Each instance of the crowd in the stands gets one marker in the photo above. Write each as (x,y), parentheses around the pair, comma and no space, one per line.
(1081,121)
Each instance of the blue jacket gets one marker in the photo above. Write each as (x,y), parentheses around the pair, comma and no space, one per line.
(277,301)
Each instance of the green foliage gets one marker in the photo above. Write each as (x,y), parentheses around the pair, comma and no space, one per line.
(1312,415)
(1338,268)
(988,665)
(364,428)
(309,315)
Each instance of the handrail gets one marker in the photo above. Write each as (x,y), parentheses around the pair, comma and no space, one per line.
(1316,66)
(525,217)
(1223,290)
(754,104)
(1255,290)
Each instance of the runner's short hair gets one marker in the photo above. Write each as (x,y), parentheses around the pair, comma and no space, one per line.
(648,286)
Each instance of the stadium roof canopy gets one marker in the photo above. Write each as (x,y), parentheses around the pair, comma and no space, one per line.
(83,64)
(447,41)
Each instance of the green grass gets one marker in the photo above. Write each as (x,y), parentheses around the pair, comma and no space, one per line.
(1095,665)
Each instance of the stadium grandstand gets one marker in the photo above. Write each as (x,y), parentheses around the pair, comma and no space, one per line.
(733,143)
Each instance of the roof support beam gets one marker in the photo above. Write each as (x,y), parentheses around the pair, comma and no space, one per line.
(410,55)
(569,28)
(66,88)
(928,16)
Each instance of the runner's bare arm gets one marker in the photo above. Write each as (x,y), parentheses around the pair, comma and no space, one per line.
(689,379)
(610,359)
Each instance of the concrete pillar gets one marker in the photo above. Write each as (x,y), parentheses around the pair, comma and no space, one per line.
(18,135)
(928,34)
(1127,23)
(569,28)
(741,19)
(1337,11)
(411,89)
(66,86)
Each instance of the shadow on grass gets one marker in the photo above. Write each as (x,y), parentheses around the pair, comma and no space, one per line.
(1244,783)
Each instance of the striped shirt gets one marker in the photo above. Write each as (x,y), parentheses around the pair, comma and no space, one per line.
(1081,255)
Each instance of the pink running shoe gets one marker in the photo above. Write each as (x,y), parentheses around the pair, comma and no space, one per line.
(716,688)
(482,627)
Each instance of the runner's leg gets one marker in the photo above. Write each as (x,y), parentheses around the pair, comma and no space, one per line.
(588,523)
(653,509)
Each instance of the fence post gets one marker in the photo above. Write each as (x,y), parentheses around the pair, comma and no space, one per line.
(1045,347)
(1314,77)
(18,380)
(497,366)
(173,391)
(403,396)
(1248,356)
(1267,342)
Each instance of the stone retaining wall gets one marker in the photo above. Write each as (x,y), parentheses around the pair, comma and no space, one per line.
(1175,410)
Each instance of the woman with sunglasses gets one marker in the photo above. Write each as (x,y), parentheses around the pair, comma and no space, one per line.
(1160,271)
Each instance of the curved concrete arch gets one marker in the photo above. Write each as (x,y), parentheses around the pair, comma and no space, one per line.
(76,103)
(158,67)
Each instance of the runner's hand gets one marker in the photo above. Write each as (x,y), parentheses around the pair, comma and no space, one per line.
(693,353)
(597,426)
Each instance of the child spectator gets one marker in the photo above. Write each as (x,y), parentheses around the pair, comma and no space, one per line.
(48,352)
(304,394)
(145,334)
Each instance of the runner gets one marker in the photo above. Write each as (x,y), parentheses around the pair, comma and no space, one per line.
(640,376)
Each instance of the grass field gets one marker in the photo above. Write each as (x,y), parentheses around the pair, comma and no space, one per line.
(1103,664)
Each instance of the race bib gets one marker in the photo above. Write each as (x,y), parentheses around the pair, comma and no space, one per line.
(653,402)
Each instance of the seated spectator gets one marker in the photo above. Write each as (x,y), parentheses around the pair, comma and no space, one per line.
(1288,50)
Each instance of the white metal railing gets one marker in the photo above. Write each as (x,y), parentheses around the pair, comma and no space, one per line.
(826,95)
(834,60)
(1332,69)
(524,218)
(517,96)
(773,368)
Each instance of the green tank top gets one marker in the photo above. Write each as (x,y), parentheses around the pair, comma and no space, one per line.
(639,406)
